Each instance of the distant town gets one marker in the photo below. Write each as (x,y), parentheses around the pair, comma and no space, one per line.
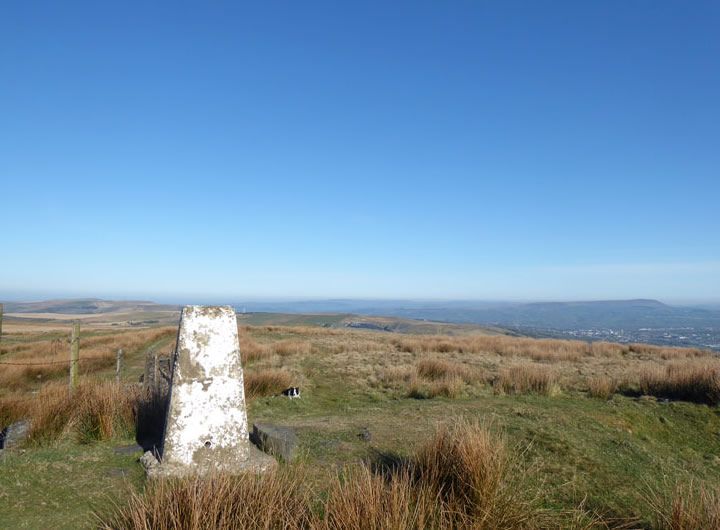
(683,336)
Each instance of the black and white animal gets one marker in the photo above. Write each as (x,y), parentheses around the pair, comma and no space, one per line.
(292,392)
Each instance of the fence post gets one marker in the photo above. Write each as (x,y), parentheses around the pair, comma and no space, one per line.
(156,372)
(1,313)
(74,355)
(119,365)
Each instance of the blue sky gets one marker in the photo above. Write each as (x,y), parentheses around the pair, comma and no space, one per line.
(465,150)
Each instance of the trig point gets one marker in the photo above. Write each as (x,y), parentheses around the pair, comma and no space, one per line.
(206,425)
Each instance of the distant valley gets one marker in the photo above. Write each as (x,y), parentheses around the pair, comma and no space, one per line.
(626,321)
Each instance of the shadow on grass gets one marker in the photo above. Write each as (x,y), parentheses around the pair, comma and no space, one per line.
(150,411)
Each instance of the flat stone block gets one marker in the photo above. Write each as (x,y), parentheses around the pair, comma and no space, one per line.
(14,434)
(128,449)
(253,461)
(275,440)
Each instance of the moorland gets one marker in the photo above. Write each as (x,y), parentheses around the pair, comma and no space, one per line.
(458,427)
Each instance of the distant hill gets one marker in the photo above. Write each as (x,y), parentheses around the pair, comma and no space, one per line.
(623,314)
(640,320)
(85,306)
(377,323)
(94,311)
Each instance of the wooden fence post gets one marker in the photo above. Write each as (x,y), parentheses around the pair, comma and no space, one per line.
(74,355)
(156,373)
(119,365)
(1,312)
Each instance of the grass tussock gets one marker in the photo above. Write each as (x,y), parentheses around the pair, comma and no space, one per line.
(463,477)
(437,369)
(449,387)
(273,500)
(528,379)
(363,499)
(602,387)
(396,374)
(251,350)
(690,380)
(471,473)
(434,378)
(291,347)
(690,506)
(96,410)
(552,350)
(268,382)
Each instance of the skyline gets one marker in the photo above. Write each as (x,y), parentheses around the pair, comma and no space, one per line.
(508,151)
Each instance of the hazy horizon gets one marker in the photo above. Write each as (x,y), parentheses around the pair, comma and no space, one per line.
(29,297)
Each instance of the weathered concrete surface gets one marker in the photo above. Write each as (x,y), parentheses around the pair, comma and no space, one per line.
(275,440)
(14,434)
(206,426)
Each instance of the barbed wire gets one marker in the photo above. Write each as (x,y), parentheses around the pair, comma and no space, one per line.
(51,362)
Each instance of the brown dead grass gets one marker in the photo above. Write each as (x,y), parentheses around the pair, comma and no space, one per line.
(273,500)
(303,331)
(691,506)
(291,347)
(363,499)
(602,387)
(438,369)
(536,349)
(96,410)
(48,359)
(250,349)
(528,379)
(463,477)
(268,382)
(432,378)
(689,380)
(395,374)
(353,345)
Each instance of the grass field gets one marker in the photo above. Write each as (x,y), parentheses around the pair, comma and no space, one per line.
(592,429)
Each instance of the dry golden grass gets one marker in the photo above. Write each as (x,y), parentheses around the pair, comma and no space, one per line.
(667,352)
(291,347)
(463,478)
(449,386)
(431,378)
(690,507)
(528,379)
(304,331)
(273,500)
(352,345)
(395,374)
(363,499)
(96,410)
(251,350)
(473,474)
(536,349)
(47,359)
(437,369)
(690,380)
(268,382)
(602,387)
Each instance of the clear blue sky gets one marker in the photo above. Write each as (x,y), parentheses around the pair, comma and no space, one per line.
(466,150)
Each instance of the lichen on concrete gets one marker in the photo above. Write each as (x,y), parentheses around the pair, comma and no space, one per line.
(206,426)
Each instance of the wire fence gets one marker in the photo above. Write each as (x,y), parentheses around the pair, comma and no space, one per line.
(46,363)
(67,361)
